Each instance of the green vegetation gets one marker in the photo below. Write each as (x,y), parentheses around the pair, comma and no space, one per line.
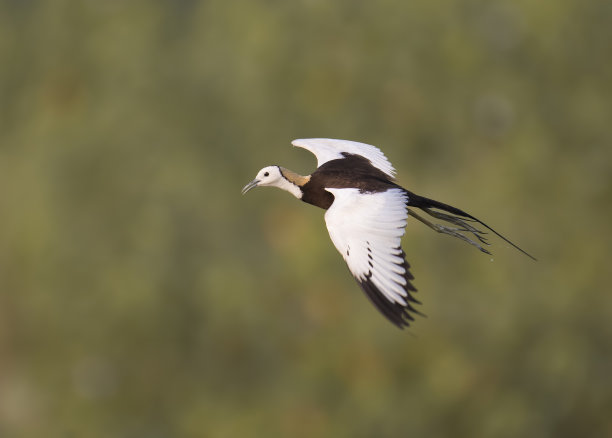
(142,296)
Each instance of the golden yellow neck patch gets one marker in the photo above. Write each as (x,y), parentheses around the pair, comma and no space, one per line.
(294,178)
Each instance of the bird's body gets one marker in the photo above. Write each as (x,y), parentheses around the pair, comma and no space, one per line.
(366,216)
(351,171)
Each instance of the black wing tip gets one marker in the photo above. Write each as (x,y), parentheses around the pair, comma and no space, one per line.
(398,314)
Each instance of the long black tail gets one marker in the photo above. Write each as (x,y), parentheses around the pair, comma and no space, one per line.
(457,217)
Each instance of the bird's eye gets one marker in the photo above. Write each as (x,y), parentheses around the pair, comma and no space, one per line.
(267,174)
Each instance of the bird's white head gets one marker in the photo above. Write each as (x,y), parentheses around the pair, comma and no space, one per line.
(276,176)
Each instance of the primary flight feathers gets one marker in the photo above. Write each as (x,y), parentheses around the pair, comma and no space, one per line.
(327,149)
(366,217)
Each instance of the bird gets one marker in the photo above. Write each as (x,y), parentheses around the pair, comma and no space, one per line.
(366,213)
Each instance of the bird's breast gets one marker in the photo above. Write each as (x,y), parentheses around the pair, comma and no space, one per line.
(315,194)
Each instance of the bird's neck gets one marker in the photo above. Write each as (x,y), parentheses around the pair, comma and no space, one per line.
(293,182)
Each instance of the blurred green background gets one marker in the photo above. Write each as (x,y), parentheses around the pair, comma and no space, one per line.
(142,296)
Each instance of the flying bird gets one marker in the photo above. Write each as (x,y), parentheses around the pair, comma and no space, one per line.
(366,215)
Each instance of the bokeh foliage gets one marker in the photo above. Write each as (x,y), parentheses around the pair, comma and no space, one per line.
(141,295)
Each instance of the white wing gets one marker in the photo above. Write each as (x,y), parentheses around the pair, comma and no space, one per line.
(367,228)
(327,149)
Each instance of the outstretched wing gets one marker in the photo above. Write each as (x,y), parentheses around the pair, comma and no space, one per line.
(327,149)
(367,228)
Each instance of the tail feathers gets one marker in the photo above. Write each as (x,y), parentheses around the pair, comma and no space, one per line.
(457,217)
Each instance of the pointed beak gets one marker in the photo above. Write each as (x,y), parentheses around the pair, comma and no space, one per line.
(250,185)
